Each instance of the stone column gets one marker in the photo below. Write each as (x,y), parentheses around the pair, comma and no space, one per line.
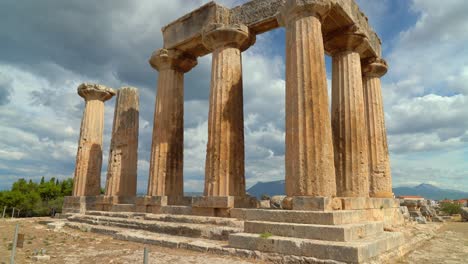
(348,115)
(123,154)
(87,181)
(310,170)
(224,169)
(167,149)
(379,163)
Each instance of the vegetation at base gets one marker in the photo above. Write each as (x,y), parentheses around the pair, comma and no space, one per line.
(266,235)
(35,199)
(450,208)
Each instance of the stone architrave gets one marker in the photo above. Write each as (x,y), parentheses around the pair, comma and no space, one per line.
(123,154)
(380,178)
(167,149)
(224,169)
(87,181)
(310,169)
(348,115)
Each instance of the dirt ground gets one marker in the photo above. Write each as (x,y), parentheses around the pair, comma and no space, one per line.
(449,246)
(70,246)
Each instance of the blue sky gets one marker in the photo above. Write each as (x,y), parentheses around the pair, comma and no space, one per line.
(49,47)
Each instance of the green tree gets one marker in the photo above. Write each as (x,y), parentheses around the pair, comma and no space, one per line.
(450,208)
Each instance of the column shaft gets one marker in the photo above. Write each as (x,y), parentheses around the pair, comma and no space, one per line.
(224,169)
(379,162)
(167,150)
(310,170)
(89,156)
(123,154)
(349,126)
(87,180)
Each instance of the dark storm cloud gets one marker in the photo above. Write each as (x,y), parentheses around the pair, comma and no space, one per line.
(5,89)
(107,41)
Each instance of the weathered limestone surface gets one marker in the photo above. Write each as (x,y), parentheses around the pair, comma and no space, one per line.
(310,169)
(123,154)
(260,16)
(224,169)
(87,181)
(348,116)
(166,162)
(380,178)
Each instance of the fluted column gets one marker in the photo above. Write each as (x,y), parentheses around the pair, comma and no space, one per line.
(380,178)
(123,154)
(87,180)
(224,168)
(167,149)
(348,115)
(310,170)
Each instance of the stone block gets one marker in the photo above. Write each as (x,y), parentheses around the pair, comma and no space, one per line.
(207,211)
(42,258)
(213,201)
(123,208)
(301,217)
(359,203)
(349,252)
(347,232)
(309,203)
(176,210)
(224,202)
(179,200)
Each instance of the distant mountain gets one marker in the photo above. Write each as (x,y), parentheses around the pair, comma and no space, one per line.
(425,190)
(430,192)
(268,188)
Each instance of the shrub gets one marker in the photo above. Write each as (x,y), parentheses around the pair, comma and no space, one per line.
(451,208)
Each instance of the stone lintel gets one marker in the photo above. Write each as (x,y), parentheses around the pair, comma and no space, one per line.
(310,203)
(185,33)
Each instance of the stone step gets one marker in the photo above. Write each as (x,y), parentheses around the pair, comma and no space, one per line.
(221,221)
(179,229)
(342,217)
(221,248)
(349,252)
(348,232)
(140,236)
(218,221)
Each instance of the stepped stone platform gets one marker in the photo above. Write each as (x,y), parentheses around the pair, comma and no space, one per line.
(342,236)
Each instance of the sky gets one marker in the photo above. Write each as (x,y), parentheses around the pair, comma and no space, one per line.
(49,47)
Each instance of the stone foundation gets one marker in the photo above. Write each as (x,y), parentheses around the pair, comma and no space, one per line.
(386,210)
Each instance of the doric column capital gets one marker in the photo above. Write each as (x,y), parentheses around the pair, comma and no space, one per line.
(218,35)
(90,91)
(348,39)
(163,59)
(374,67)
(294,9)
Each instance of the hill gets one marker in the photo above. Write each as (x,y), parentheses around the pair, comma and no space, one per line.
(427,191)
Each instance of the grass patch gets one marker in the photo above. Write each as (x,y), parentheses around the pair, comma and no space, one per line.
(266,235)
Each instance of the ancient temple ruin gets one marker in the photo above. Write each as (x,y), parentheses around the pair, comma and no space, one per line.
(338,180)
